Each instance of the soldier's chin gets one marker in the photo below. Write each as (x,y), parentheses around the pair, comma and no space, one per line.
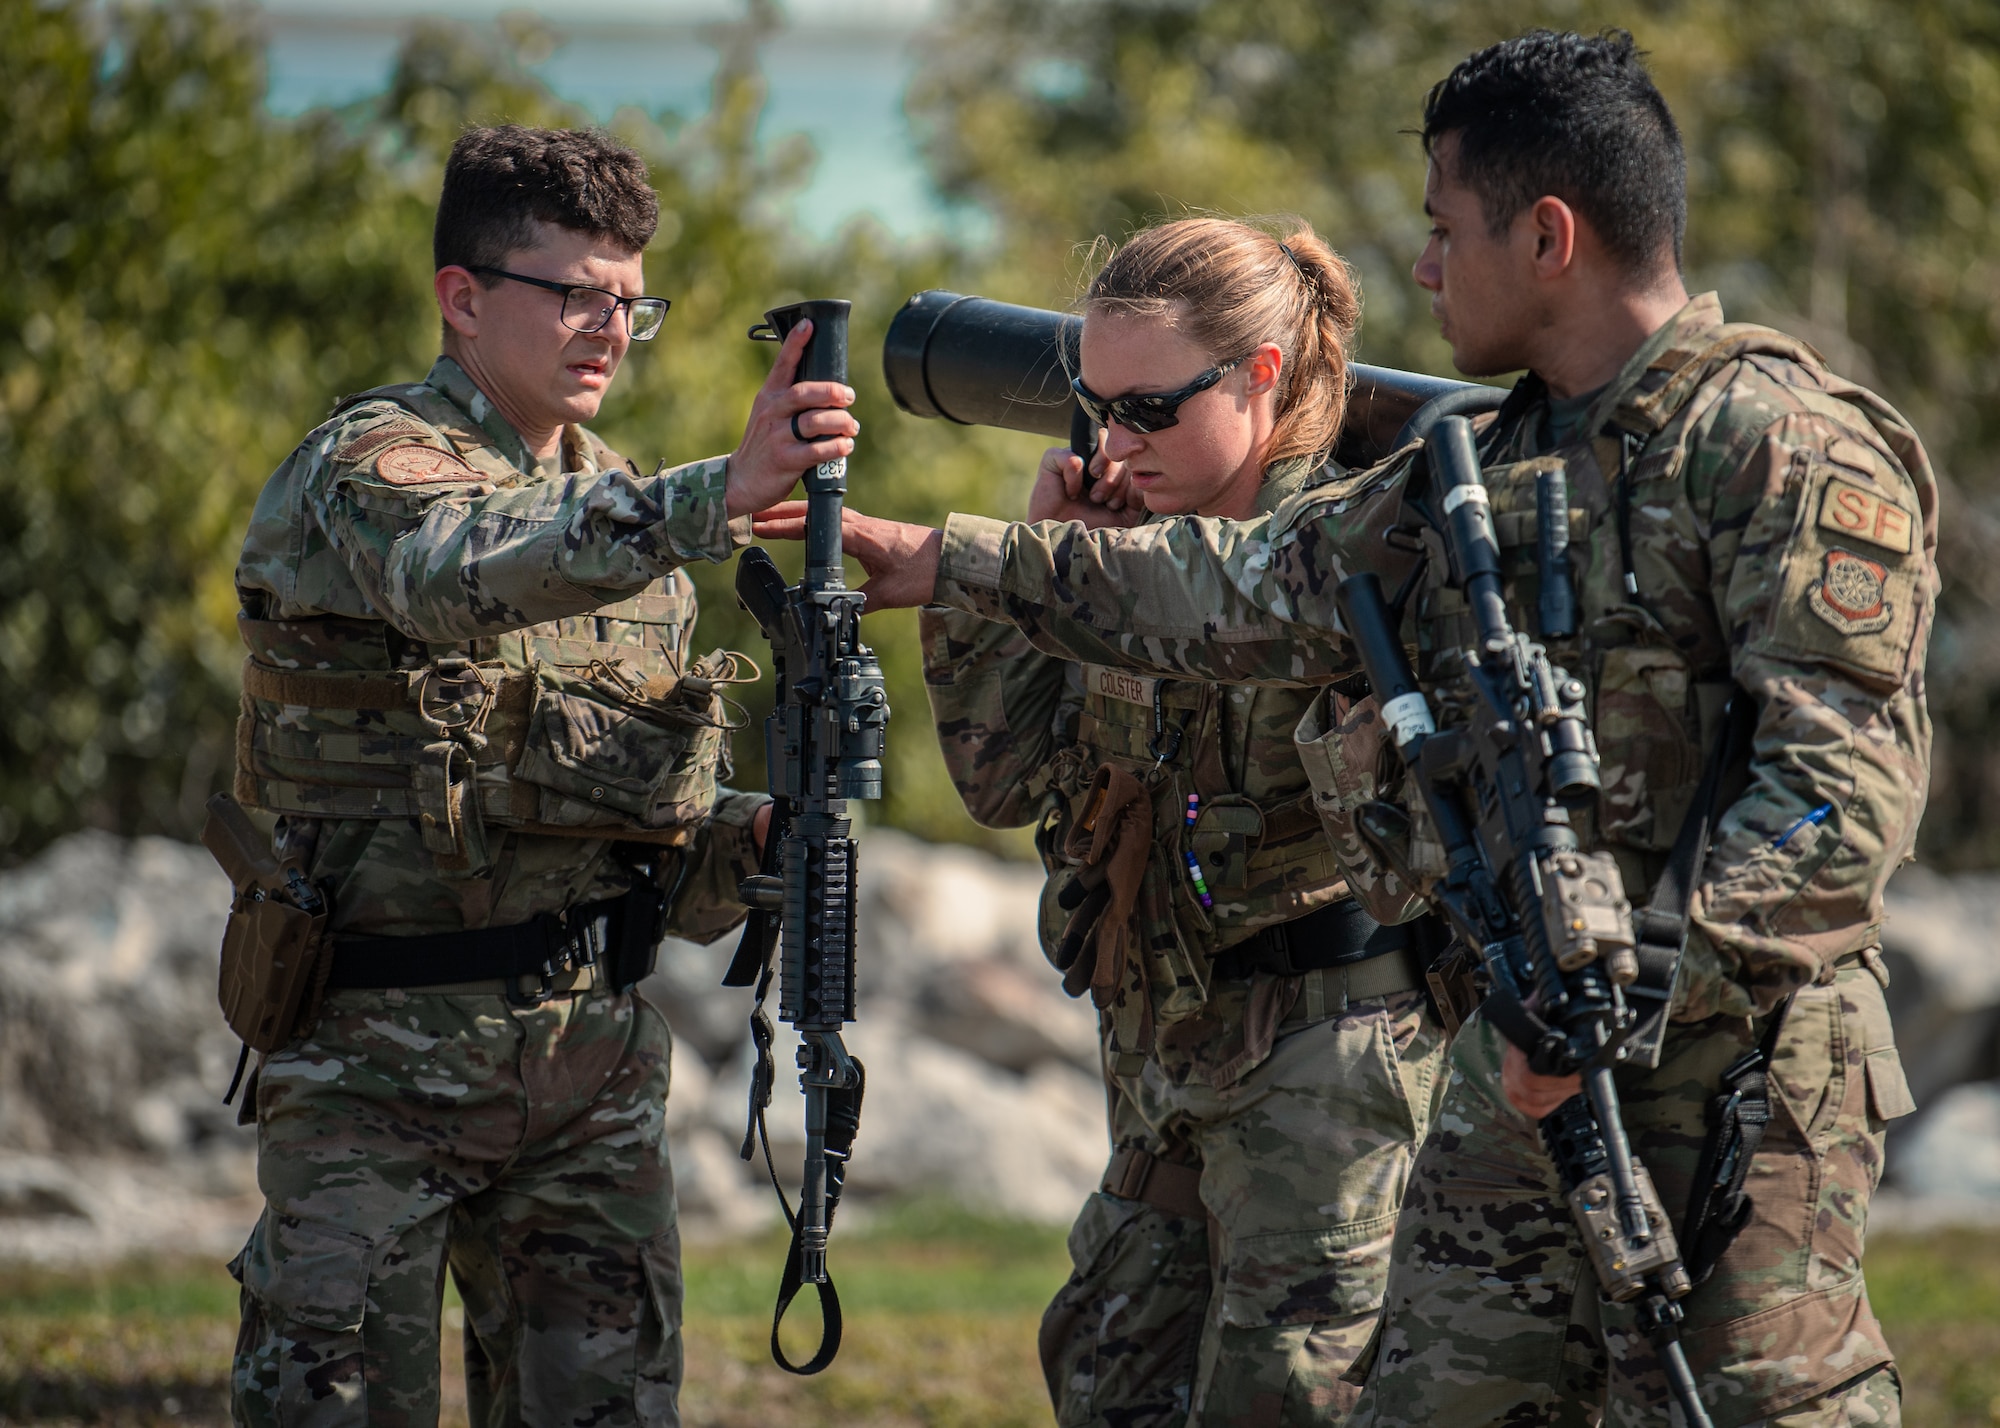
(582,405)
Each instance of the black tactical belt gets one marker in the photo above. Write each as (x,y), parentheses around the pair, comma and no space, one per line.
(619,934)
(1337,935)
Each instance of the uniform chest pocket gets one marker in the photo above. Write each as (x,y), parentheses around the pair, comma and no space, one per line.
(602,761)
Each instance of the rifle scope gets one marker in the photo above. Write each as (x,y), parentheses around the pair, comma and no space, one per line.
(979,362)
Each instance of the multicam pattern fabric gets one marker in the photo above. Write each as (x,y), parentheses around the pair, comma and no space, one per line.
(1784,1318)
(1303,1131)
(1751,478)
(492,540)
(525,1147)
(566,570)
(1023,734)
(1249,1320)
(522,1145)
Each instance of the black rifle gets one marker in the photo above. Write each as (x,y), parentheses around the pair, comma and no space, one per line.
(1549,922)
(822,746)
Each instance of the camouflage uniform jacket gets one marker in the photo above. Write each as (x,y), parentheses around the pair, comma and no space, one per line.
(1023,732)
(1779,529)
(414,527)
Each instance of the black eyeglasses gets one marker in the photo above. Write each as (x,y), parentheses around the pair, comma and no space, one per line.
(589,309)
(1145,412)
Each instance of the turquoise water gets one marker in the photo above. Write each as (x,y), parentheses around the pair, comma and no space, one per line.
(841,87)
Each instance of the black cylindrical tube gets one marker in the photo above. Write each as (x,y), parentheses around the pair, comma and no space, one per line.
(1372,625)
(1475,548)
(1603,1094)
(984,363)
(825,357)
(1680,1378)
(1557,607)
(824,360)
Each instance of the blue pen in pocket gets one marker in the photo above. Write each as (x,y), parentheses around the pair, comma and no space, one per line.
(1816,817)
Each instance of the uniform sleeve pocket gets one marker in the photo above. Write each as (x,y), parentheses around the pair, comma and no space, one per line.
(1305,1276)
(307,1275)
(1888,1089)
(1850,589)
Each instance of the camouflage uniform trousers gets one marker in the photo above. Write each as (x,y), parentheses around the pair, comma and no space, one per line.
(1493,1315)
(525,1147)
(1250,1316)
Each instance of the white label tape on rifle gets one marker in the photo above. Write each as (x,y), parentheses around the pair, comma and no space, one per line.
(1409,716)
(1459,495)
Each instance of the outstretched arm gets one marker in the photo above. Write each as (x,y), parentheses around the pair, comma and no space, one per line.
(443,552)
(1247,602)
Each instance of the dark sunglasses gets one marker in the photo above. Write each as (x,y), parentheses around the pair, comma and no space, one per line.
(589,309)
(1145,412)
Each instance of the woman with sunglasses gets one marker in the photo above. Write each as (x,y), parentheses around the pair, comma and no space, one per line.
(1269,1056)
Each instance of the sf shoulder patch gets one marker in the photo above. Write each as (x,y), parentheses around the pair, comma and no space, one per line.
(422,466)
(1859,514)
(1852,592)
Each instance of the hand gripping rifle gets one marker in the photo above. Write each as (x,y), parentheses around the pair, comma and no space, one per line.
(822,746)
(1550,922)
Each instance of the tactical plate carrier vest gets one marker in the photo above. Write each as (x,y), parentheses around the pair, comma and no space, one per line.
(1655,710)
(591,726)
(1254,834)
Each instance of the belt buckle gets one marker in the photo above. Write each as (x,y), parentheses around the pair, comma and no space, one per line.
(516,996)
(563,941)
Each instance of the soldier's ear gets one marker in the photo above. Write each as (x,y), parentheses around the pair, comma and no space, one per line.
(1552,225)
(1263,366)
(458,299)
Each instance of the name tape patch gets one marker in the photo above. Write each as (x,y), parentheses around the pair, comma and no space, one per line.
(1118,684)
(1863,515)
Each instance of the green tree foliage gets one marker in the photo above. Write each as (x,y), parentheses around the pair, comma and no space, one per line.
(191,284)
(1844,185)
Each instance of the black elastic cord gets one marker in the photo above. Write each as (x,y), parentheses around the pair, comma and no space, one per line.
(242,1060)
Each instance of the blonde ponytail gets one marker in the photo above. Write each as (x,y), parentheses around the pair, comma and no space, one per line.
(1231,286)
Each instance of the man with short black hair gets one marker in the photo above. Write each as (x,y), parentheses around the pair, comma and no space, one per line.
(472,701)
(1741,518)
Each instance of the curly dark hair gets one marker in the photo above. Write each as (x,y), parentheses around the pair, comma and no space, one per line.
(1572,117)
(501,180)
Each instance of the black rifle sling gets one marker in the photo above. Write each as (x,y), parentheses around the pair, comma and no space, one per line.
(751,966)
(1662,925)
(760,929)
(843,1120)
(1737,1118)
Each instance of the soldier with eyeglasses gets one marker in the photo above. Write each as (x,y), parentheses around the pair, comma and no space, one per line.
(474,704)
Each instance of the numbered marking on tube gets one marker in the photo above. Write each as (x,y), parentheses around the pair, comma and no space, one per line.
(1409,717)
(832,470)
(1459,495)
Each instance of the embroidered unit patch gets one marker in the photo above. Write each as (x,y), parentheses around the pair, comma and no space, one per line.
(422,465)
(1849,594)
(1863,515)
(359,448)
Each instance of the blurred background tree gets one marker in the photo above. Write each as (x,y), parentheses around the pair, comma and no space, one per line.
(192,281)
(1844,184)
